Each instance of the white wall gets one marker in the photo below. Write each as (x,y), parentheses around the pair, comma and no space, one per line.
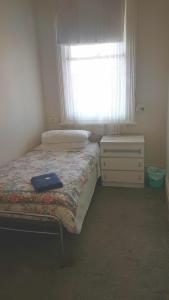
(152,72)
(21,105)
(152,77)
(167,142)
(45,12)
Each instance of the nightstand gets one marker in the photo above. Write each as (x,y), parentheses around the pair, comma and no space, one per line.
(122,161)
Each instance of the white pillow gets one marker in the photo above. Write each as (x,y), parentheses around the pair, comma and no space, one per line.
(65,136)
(64,146)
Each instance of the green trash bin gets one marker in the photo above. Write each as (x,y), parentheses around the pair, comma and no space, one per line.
(156,177)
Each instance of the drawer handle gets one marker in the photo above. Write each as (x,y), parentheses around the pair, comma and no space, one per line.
(122,151)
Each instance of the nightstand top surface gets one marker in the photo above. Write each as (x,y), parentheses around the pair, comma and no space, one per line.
(122,139)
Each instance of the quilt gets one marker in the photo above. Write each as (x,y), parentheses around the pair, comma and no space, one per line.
(17,195)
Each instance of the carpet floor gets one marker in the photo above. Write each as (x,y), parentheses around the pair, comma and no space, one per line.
(121,253)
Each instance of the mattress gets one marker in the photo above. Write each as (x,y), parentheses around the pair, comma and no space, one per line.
(78,171)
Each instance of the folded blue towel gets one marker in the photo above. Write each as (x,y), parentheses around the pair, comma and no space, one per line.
(46,182)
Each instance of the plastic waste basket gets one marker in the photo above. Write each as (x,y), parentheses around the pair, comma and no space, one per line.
(156,176)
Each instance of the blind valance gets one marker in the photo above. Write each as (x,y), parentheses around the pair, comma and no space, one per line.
(90,21)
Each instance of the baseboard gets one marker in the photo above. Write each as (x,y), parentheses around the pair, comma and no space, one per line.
(167,189)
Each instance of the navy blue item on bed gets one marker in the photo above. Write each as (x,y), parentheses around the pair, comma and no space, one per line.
(46,182)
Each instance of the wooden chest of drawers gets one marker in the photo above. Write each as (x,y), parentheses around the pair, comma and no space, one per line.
(122,161)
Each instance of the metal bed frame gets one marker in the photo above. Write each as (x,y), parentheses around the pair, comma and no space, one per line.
(7,214)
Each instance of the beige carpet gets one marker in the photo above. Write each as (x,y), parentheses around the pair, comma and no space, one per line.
(122,253)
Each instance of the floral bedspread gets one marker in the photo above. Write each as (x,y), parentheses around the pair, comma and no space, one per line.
(17,195)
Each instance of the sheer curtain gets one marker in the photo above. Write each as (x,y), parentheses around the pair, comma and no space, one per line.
(131,15)
(97,81)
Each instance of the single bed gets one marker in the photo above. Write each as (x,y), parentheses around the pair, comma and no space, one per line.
(78,170)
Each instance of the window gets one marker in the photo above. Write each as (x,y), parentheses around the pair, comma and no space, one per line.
(95,84)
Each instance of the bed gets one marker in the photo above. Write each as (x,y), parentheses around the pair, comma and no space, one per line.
(78,170)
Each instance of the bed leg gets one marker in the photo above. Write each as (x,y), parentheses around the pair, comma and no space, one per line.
(63,263)
(61,238)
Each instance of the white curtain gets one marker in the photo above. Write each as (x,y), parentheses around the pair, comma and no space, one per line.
(131,18)
(97,82)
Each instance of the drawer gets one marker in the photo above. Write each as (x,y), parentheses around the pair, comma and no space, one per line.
(123,176)
(128,164)
(122,150)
